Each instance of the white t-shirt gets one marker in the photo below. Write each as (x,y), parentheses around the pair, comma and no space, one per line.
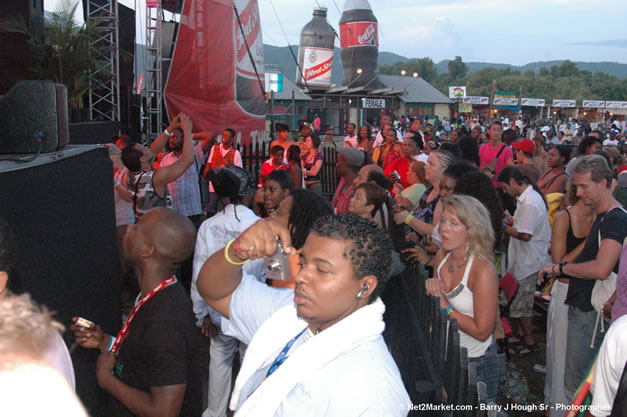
(213,235)
(353,140)
(610,142)
(530,217)
(610,364)
(379,139)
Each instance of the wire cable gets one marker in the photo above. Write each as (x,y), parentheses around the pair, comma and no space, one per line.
(300,70)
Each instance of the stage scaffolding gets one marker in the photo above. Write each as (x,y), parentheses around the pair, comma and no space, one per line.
(104,86)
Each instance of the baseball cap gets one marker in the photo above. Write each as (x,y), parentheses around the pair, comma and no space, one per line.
(229,179)
(353,156)
(525,145)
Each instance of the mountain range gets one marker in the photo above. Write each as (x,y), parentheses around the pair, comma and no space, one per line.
(280,58)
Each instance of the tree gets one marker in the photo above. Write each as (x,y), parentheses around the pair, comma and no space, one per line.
(457,68)
(425,67)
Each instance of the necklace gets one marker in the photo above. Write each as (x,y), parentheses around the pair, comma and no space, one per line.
(451,266)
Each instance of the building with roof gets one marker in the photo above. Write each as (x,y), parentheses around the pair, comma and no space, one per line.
(418,97)
(287,106)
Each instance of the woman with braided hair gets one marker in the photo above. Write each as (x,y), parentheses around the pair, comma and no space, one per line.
(297,213)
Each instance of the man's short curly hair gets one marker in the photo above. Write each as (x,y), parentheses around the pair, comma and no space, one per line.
(370,250)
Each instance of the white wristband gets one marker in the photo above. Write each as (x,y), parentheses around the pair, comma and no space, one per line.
(165,132)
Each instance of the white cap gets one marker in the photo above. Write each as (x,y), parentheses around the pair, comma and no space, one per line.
(356,5)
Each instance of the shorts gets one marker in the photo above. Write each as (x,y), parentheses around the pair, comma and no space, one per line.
(522,305)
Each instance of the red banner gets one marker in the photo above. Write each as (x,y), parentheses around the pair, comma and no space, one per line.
(359,34)
(210,78)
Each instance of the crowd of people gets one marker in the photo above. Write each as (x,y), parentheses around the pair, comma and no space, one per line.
(291,278)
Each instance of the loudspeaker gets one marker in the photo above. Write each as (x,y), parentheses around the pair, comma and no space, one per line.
(16,54)
(33,111)
(61,208)
(92,133)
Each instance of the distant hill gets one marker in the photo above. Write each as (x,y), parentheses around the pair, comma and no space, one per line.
(280,57)
(613,68)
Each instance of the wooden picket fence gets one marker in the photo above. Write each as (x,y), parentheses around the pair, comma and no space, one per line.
(254,155)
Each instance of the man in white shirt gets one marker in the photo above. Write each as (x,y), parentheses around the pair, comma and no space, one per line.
(529,240)
(386,121)
(612,140)
(351,138)
(214,234)
(316,350)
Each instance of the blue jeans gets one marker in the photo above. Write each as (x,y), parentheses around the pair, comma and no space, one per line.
(579,355)
(490,369)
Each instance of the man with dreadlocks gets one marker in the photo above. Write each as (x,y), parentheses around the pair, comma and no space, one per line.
(316,350)
(239,186)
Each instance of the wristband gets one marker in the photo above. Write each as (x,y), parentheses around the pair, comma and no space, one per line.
(228,259)
(449,311)
(562,267)
(236,247)
(165,132)
(408,219)
(111,341)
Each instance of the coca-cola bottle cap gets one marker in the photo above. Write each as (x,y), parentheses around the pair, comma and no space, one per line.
(356,5)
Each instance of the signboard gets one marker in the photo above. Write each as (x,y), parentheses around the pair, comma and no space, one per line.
(274,82)
(532,102)
(457,92)
(359,34)
(317,65)
(465,108)
(476,100)
(373,103)
(564,103)
(616,104)
(505,101)
(597,104)
(505,98)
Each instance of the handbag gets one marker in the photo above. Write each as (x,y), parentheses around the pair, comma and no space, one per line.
(489,169)
(602,291)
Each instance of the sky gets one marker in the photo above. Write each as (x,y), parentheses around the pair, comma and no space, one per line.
(495,31)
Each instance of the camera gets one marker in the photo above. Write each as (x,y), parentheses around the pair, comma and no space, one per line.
(277,266)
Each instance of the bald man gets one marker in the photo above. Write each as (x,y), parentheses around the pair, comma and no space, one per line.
(150,369)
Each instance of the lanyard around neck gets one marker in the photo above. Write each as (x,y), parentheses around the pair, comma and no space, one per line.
(282,356)
(124,330)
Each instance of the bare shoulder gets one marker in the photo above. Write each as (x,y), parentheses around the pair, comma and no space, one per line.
(483,272)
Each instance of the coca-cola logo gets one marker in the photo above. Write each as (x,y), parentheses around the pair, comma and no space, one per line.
(250,26)
(368,36)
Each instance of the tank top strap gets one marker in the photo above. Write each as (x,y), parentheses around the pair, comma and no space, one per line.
(467,270)
(570,219)
(440,265)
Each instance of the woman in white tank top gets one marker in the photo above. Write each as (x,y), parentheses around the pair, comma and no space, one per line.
(467,283)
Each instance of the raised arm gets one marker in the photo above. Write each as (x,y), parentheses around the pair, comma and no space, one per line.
(218,277)
(159,143)
(167,174)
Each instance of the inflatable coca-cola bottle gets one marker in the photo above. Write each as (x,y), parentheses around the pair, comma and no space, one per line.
(248,93)
(315,53)
(359,42)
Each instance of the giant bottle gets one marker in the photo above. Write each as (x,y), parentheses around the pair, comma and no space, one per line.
(359,42)
(315,53)
(248,93)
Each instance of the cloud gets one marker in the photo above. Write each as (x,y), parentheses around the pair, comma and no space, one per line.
(614,43)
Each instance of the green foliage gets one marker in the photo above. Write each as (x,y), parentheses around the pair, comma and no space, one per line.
(563,81)
(425,68)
